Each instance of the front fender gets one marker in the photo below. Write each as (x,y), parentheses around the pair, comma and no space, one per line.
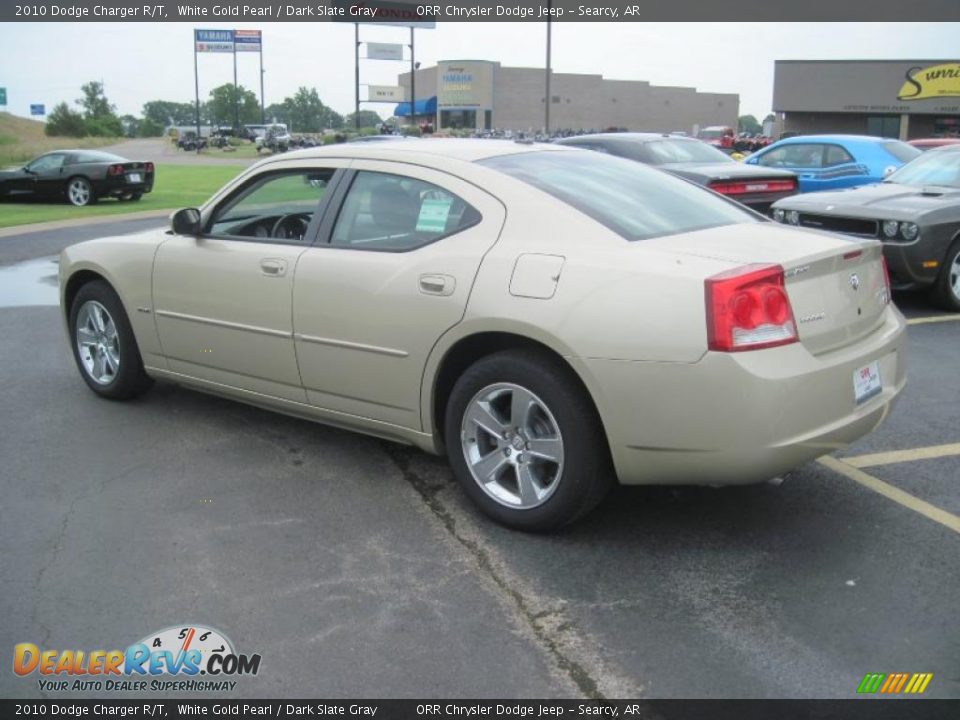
(126,263)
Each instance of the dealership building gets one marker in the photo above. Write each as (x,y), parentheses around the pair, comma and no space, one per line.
(481,94)
(903,99)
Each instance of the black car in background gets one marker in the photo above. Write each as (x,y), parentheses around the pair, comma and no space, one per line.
(80,176)
(755,187)
(914,212)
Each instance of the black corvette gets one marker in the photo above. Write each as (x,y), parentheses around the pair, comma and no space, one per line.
(756,187)
(80,176)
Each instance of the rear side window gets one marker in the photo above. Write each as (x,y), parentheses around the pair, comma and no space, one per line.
(633,200)
(901,151)
(396,213)
(836,155)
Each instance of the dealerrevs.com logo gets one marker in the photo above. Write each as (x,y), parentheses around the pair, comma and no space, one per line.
(182,658)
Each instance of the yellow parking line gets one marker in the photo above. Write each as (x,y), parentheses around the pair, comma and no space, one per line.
(899,456)
(933,319)
(948,520)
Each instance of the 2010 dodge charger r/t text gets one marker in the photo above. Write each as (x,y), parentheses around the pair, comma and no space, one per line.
(550,318)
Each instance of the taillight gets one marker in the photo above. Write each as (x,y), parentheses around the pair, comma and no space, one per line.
(748,309)
(115,170)
(149,167)
(886,277)
(740,188)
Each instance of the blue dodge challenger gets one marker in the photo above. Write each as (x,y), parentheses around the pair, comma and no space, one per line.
(832,162)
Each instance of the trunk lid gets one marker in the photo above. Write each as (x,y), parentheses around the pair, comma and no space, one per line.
(835,283)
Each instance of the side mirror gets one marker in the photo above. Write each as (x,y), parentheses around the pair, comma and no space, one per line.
(185,221)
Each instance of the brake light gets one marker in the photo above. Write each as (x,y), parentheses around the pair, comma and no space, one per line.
(149,167)
(748,309)
(741,188)
(115,170)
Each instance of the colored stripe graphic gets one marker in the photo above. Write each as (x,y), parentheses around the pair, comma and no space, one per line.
(871,682)
(895,683)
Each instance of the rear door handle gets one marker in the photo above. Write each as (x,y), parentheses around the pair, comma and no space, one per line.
(442,285)
(273,267)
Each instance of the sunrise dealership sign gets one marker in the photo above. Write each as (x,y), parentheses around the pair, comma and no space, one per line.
(936,81)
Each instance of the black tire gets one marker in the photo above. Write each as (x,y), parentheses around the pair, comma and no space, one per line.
(80,191)
(587,472)
(130,379)
(942,293)
(131,197)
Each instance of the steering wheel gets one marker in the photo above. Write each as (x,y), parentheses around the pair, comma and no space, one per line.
(291,226)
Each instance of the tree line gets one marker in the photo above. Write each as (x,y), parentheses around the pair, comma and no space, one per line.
(94,115)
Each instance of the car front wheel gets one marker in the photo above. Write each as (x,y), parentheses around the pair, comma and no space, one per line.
(946,290)
(80,192)
(104,346)
(525,442)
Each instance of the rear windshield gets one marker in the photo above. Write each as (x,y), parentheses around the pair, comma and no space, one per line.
(685,151)
(96,156)
(633,200)
(901,151)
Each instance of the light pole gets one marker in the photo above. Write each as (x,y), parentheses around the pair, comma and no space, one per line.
(546,121)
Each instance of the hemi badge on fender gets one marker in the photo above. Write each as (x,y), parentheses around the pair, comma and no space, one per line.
(143,310)
(793,272)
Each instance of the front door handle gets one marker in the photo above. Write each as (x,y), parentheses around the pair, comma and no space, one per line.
(273,267)
(442,285)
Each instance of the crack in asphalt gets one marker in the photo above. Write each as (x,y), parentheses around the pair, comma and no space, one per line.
(557,635)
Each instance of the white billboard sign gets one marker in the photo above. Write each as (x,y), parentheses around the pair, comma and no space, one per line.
(386,93)
(384,51)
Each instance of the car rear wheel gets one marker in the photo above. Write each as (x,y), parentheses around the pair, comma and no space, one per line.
(80,192)
(946,290)
(525,441)
(104,346)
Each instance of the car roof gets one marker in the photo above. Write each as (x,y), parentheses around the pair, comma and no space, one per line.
(633,136)
(864,139)
(434,151)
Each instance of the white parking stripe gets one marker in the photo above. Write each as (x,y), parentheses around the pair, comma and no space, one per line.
(938,515)
(933,319)
(899,456)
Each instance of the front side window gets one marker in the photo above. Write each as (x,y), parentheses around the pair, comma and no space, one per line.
(795,155)
(276,206)
(634,200)
(46,163)
(396,213)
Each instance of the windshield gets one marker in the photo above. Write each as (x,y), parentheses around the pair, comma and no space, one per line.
(901,151)
(633,200)
(932,168)
(684,151)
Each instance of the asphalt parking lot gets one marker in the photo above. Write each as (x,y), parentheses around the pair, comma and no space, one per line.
(356,568)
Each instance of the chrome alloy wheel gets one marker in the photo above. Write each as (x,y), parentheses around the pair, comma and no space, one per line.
(97,343)
(512,445)
(955,276)
(79,191)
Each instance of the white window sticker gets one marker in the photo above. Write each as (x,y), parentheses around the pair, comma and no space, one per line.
(433,215)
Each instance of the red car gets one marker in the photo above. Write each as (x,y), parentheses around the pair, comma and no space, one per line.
(931,143)
(719,136)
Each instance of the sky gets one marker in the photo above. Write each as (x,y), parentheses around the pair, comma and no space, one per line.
(137,62)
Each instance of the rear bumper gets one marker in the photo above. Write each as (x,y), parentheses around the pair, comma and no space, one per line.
(740,418)
(120,185)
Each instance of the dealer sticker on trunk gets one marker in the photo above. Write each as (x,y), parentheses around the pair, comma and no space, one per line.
(866,382)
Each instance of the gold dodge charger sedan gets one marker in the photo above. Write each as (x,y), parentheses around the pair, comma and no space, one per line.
(550,318)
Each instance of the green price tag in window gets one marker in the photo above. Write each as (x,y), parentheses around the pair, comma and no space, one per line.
(433,215)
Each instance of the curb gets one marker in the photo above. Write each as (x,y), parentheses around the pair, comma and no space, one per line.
(96,220)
